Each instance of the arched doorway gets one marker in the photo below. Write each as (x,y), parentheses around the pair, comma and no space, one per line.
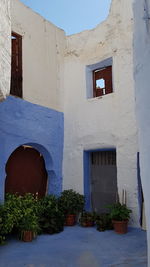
(26,172)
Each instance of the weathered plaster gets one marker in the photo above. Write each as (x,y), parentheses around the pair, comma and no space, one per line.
(108,121)
(43,48)
(21,123)
(142,86)
(5,41)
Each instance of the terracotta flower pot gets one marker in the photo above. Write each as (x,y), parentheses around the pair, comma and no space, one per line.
(88,224)
(70,220)
(27,236)
(120,227)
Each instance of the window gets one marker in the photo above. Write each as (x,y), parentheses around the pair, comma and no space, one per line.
(99,81)
(102,81)
(16,65)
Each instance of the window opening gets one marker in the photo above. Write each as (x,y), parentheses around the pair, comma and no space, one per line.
(100,84)
(16,65)
(102,81)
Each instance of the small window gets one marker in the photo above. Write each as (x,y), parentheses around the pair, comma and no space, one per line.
(16,65)
(99,81)
(102,81)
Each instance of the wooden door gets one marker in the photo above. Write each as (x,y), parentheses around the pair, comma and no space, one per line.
(26,172)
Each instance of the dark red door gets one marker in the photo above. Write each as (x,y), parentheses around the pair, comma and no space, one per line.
(26,172)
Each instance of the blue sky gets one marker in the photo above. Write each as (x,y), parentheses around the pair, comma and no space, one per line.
(72,15)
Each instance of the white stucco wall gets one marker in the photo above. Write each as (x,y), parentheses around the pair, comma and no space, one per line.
(5,49)
(107,121)
(142,87)
(43,48)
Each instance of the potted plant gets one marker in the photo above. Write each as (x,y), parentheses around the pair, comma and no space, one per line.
(120,215)
(51,218)
(71,203)
(2,225)
(9,216)
(87,219)
(28,225)
(104,222)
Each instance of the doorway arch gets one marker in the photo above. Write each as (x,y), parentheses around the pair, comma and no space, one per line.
(26,172)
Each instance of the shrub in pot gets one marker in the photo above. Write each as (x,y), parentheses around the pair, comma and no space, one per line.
(71,203)
(104,222)
(12,210)
(9,215)
(3,232)
(17,214)
(120,215)
(87,219)
(51,218)
(2,235)
(28,225)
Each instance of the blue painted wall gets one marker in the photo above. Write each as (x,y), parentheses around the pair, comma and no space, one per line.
(87,180)
(21,123)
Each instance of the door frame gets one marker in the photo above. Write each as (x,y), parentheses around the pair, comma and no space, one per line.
(87,174)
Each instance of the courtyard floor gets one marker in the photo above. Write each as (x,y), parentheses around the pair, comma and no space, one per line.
(78,247)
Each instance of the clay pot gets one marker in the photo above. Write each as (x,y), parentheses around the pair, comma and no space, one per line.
(27,236)
(120,227)
(88,224)
(70,220)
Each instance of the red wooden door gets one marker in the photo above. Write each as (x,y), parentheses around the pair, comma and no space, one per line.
(26,172)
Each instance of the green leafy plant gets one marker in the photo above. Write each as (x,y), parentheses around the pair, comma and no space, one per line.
(119,212)
(20,213)
(104,222)
(28,220)
(28,223)
(71,202)
(51,218)
(87,218)
(9,214)
(2,224)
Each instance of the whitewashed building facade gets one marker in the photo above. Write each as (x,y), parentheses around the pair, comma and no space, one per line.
(77,102)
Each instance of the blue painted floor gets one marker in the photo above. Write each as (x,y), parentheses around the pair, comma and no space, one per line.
(78,247)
